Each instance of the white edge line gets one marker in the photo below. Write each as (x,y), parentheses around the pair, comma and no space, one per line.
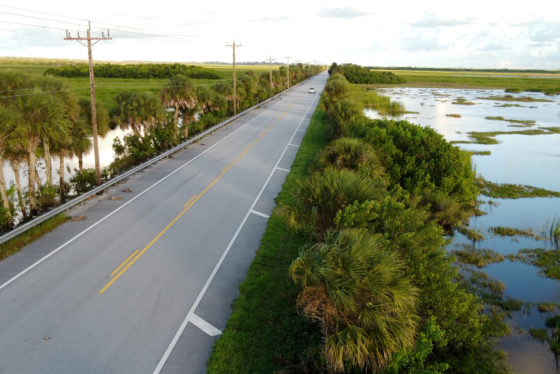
(260,214)
(205,326)
(122,206)
(282,169)
(293,145)
(189,315)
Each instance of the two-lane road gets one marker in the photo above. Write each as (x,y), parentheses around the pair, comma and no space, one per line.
(147,286)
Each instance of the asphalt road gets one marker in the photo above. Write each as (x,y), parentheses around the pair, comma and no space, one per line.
(144,282)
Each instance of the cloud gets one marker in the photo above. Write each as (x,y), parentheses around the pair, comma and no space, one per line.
(269,19)
(23,38)
(492,47)
(422,43)
(344,13)
(433,21)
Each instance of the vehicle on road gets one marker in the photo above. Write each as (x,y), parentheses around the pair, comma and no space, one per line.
(311,90)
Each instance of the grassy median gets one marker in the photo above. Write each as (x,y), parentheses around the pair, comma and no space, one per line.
(265,332)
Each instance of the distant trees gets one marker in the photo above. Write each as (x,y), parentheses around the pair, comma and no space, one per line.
(135,71)
(363,75)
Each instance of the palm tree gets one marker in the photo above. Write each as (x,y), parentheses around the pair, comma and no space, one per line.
(42,117)
(360,296)
(81,131)
(70,113)
(138,111)
(8,121)
(180,94)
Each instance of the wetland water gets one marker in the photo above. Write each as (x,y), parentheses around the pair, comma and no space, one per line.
(518,159)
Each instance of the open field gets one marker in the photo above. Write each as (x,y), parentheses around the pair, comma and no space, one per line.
(548,82)
(107,88)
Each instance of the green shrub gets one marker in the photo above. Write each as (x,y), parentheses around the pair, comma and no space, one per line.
(324,193)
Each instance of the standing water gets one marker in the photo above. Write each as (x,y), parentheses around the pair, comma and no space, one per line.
(517,159)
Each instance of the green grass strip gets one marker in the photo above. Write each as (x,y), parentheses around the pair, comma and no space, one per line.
(14,245)
(265,332)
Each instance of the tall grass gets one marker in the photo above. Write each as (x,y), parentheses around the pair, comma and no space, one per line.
(14,245)
(554,232)
(380,103)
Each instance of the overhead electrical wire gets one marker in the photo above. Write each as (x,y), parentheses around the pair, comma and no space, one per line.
(116,28)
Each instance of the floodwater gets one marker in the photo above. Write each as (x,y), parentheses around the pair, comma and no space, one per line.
(106,156)
(519,159)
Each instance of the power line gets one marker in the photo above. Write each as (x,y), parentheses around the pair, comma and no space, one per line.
(121,28)
(41,12)
(39,18)
(28,24)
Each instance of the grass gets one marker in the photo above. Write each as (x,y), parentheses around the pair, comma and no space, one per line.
(554,232)
(471,234)
(524,123)
(259,336)
(453,115)
(547,260)
(481,284)
(15,244)
(462,101)
(546,307)
(480,153)
(382,104)
(477,257)
(107,88)
(523,99)
(545,82)
(512,191)
(511,231)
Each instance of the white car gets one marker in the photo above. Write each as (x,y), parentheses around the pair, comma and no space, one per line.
(311,90)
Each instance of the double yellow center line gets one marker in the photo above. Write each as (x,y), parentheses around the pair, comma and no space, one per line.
(136,254)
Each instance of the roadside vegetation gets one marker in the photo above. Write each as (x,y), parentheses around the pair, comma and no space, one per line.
(44,119)
(362,75)
(370,273)
(14,245)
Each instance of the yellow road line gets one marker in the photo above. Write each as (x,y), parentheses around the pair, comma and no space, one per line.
(129,262)
(190,201)
(124,262)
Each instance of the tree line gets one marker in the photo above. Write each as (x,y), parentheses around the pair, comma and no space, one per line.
(363,75)
(134,71)
(376,278)
(41,118)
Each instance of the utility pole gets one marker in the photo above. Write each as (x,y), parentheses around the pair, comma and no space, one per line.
(288,71)
(270,73)
(234,78)
(89,38)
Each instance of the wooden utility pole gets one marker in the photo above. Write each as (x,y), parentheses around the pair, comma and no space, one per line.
(88,39)
(270,74)
(234,78)
(288,71)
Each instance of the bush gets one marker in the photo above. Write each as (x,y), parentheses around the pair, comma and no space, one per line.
(326,192)
(354,154)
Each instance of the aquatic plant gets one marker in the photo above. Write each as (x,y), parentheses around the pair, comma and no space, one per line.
(454,115)
(524,99)
(477,257)
(512,191)
(511,231)
(547,260)
(554,232)
(462,101)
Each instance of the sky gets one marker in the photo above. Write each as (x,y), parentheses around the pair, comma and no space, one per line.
(424,33)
